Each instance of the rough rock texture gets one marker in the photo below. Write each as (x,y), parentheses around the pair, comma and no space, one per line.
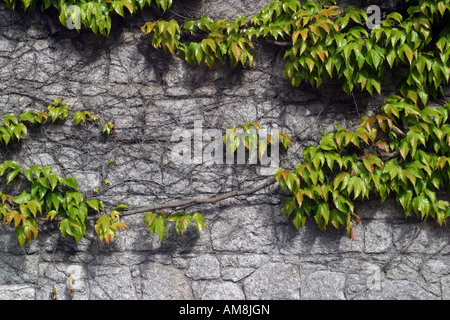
(249,250)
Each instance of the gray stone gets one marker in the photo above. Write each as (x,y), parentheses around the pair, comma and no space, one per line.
(221,291)
(58,275)
(309,239)
(204,267)
(161,282)
(401,290)
(445,285)
(323,285)
(17,292)
(274,281)
(248,250)
(235,274)
(434,269)
(18,269)
(420,238)
(231,232)
(87,181)
(108,282)
(378,237)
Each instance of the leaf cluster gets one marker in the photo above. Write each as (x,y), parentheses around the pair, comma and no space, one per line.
(403,152)
(247,136)
(50,195)
(157,222)
(92,15)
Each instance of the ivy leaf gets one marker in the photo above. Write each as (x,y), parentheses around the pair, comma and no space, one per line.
(54,199)
(299,219)
(341,179)
(181,220)
(20,235)
(236,51)
(343,204)
(324,211)
(118,6)
(78,229)
(10,117)
(337,218)
(148,27)
(293,182)
(189,25)
(51,214)
(94,204)
(199,221)
(53,179)
(71,182)
(121,207)
(73,195)
(159,226)
(421,204)
(372,161)
(34,206)
(28,115)
(78,117)
(10,176)
(24,197)
(149,218)
(156,224)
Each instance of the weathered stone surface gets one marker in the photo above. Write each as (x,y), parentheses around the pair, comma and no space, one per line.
(378,237)
(17,292)
(273,281)
(401,290)
(248,250)
(236,274)
(247,229)
(445,285)
(18,269)
(59,275)
(161,282)
(106,282)
(218,291)
(205,267)
(323,285)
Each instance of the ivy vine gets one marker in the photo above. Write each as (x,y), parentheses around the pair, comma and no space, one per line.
(93,15)
(50,197)
(401,152)
(408,142)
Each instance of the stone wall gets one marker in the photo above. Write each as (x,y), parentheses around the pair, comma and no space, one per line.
(248,250)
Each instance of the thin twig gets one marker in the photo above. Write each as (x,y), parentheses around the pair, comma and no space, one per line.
(203,200)
(356,105)
(184,203)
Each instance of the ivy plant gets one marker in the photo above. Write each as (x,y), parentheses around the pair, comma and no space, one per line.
(92,15)
(408,141)
(49,197)
(402,152)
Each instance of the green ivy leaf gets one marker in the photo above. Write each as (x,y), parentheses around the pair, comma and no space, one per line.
(159,226)
(71,182)
(199,221)
(24,197)
(121,207)
(10,176)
